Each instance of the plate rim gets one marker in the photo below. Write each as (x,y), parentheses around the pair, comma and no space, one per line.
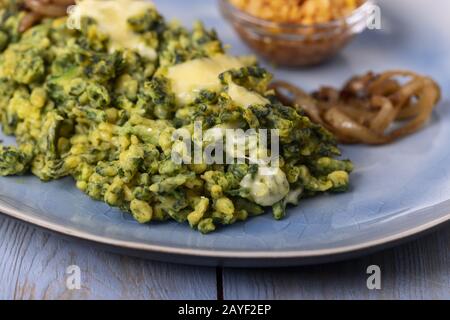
(222,254)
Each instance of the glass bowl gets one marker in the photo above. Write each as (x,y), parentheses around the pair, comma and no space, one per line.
(294,45)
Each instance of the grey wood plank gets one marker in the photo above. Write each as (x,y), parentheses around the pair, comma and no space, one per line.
(418,270)
(33,266)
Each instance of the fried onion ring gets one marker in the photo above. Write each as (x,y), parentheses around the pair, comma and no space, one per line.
(40,9)
(367,107)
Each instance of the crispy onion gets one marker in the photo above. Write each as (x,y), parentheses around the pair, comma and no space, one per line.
(40,9)
(367,107)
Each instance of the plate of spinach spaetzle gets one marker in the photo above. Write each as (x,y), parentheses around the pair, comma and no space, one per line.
(150,127)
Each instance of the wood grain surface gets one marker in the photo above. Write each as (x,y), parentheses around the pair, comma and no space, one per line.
(33,265)
(417,270)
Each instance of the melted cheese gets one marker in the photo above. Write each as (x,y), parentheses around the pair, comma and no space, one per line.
(268,187)
(191,77)
(245,98)
(293,196)
(112,17)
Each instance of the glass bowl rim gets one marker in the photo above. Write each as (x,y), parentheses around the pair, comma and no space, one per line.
(355,17)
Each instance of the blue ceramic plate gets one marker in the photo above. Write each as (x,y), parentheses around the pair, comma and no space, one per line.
(397,190)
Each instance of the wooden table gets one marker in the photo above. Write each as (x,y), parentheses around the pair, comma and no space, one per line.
(33,265)
(33,262)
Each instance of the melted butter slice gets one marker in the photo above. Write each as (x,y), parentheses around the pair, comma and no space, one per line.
(245,98)
(191,77)
(112,17)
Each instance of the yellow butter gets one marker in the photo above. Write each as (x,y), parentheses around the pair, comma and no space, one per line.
(245,98)
(191,77)
(112,18)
